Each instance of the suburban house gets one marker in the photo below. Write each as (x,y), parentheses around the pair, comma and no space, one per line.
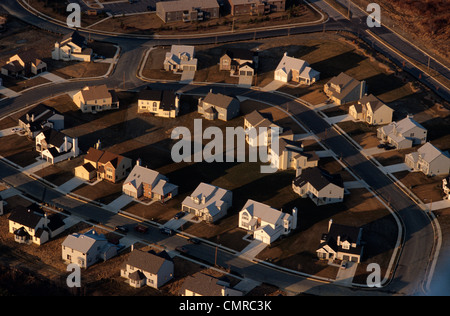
(162,103)
(148,268)
(239,62)
(319,185)
(256,7)
(344,89)
(148,183)
(32,225)
(219,106)
(258,128)
(403,134)
(202,284)
(208,202)
(96,99)
(341,242)
(87,249)
(266,223)
(429,160)
(107,165)
(26,64)
(290,155)
(180,58)
(295,70)
(72,46)
(55,146)
(187,11)
(446,187)
(39,118)
(371,110)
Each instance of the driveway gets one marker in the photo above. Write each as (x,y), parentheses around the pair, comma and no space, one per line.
(119,203)
(253,249)
(345,276)
(396,168)
(187,76)
(245,81)
(71,185)
(274,85)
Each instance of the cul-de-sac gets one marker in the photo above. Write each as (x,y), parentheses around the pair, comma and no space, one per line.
(224,148)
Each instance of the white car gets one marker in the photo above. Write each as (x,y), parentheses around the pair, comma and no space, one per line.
(17,129)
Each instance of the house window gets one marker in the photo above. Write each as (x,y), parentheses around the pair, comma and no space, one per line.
(155,107)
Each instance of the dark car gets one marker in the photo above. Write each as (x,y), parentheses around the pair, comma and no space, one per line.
(141,228)
(194,241)
(389,147)
(121,229)
(381,146)
(179,215)
(181,249)
(166,231)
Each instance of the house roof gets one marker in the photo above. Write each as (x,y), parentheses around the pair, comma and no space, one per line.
(202,284)
(41,113)
(27,216)
(220,100)
(318,178)
(288,63)
(95,93)
(372,101)
(208,196)
(167,98)
(147,261)
(406,124)
(428,152)
(240,53)
(53,137)
(344,233)
(83,242)
(75,38)
(159,182)
(262,211)
(94,154)
(256,117)
(29,56)
(345,82)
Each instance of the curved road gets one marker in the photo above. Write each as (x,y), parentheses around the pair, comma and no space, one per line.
(411,271)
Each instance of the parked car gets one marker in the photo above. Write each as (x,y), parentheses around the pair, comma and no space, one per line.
(194,241)
(389,147)
(182,249)
(166,231)
(141,228)
(381,146)
(179,215)
(121,229)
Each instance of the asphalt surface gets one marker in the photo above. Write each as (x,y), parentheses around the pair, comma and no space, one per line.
(418,234)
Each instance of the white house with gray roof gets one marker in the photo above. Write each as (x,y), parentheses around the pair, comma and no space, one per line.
(371,110)
(429,160)
(266,223)
(403,134)
(258,128)
(87,249)
(296,70)
(208,202)
(180,58)
(148,268)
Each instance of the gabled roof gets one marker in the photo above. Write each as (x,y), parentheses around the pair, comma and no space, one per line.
(75,38)
(406,124)
(262,211)
(83,242)
(287,63)
(27,216)
(53,137)
(373,102)
(428,152)
(240,53)
(95,93)
(344,233)
(202,284)
(318,178)
(220,100)
(94,154)
(147,261)
(256,117)
(209,194)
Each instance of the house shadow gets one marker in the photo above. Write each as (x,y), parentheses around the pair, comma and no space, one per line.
(333,66)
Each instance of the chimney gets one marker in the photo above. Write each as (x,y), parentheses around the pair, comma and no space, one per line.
(294,218)
(138,162)
(98,145)
(285,54)
(298,172)
(75,149)
(132,247)
(32,117)
(66,145)
(338,241)
(363,91)
(330,222)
